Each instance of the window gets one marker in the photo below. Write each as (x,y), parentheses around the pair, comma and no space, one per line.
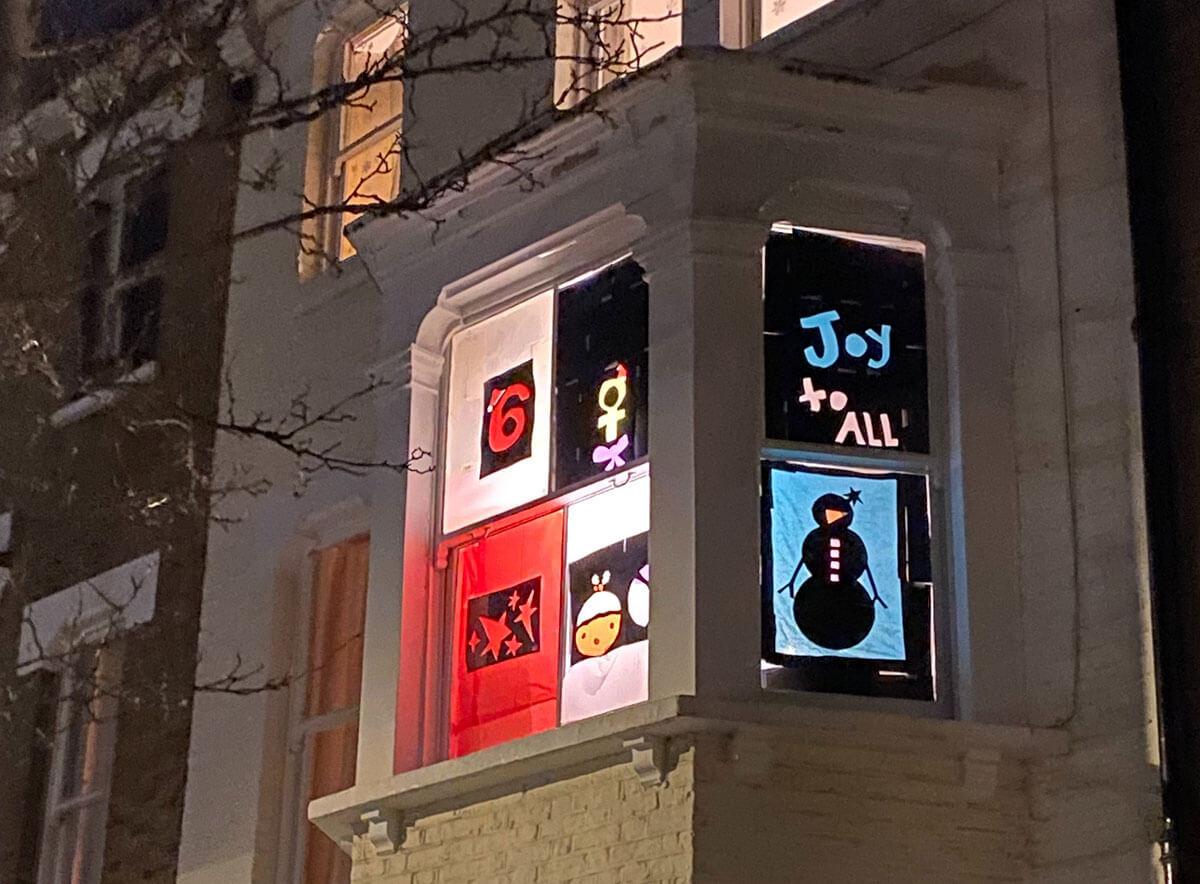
(602,42)
(544,515)
(121,307)
(774,14)
(848,591)
(324,734)
(72,845)
(361,163)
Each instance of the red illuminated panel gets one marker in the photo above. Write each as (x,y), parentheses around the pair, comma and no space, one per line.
(507,597)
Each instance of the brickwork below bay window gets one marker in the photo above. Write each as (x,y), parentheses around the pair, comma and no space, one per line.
(870,799)
(599,827)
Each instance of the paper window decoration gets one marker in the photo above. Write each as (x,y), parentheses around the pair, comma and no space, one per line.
(606,647)
(601,374)
(844,324)
(846,577)
(505,659)
(497,453)
(508,419)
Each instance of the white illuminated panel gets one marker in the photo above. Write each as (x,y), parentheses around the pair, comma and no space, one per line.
(479,353)
(609,516)
(607,648)
(774,14)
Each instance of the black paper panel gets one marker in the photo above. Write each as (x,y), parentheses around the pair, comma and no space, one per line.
(601,374)
(844,345)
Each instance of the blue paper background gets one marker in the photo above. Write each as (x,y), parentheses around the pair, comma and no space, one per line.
(875,517)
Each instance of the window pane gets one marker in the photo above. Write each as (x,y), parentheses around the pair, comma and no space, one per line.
(141,309)
(631,34)
(493,409)
(89,710)
(844,345)
(92,334)
(369,175)
(333,762)
(607,657)
(147,208)
(379,102)
(602,374)
(847,598)
(80,845)
(338,607)
(774,14)
(505,664)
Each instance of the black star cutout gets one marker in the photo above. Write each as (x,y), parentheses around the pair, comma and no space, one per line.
(854,497)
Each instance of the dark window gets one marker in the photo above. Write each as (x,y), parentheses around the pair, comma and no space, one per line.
(140,310)
(66,20)
(145,231)
(845,343)
(601,374)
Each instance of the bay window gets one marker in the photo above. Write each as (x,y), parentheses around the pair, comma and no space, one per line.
(542,558)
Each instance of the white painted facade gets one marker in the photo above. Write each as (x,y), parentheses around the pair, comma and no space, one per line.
(989,131)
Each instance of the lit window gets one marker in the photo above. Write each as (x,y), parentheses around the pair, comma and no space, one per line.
(545,510)
(121,307)
(324,733)
(602,42)
(72,846)
(365,156)
(848,590)
(774,14)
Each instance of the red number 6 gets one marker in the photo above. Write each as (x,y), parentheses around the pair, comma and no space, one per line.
(507,421)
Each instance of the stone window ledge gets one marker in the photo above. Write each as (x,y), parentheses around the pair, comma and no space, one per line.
(378,810)
(102,397)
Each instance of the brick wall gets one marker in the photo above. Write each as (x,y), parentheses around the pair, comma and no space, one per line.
(868,800)
(597,827)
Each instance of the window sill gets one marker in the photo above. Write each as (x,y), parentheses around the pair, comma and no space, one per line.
(102,397)
(634,731)
(331,283)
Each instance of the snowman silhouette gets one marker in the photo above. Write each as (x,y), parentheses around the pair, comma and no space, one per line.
(832,608)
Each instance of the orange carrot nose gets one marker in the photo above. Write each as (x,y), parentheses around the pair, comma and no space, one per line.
(832,516)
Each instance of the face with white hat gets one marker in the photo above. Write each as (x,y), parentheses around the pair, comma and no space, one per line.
(598,623)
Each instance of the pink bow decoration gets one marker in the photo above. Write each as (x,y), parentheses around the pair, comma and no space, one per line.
(611,455)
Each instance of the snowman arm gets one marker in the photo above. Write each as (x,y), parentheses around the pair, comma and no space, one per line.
(874,591)
(791,584)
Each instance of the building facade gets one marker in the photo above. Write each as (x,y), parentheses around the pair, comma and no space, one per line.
(825,309)
(112,303)
(816,295)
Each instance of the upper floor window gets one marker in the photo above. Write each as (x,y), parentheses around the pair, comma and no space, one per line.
(359,145)
(849,601)
(121,305)
(72,844)
(323,736)
(775,14)
(600,42)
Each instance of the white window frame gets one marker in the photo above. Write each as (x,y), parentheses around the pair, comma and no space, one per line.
(111,288)
(326,167)
(934,466)
(586,261)
(53,850)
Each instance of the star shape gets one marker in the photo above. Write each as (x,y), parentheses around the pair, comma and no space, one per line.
(525,618)
(514,600)
(512,645)
(854,497)
(496,631)
(473,641)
